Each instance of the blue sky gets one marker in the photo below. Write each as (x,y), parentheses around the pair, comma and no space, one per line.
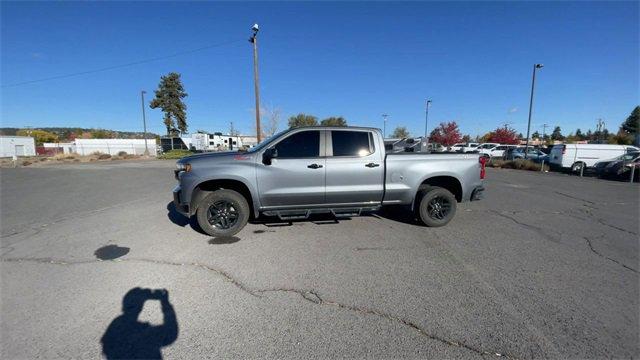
(354,59)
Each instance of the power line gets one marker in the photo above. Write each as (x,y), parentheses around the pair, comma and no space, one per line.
(144,61)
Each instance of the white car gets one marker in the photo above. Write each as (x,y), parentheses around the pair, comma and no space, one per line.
(577,156)
(493,150)
(464,147)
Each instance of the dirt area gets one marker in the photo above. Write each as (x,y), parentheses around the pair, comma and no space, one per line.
(35,161)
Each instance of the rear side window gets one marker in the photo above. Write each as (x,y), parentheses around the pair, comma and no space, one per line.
(300,145)
(351,143)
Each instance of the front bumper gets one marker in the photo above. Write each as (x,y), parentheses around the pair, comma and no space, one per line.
(477,193)
(180,207)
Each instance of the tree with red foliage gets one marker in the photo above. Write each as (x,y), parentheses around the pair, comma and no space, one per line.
(503,135)
(446,134)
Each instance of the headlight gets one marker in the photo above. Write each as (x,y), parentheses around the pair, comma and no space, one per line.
(183,167)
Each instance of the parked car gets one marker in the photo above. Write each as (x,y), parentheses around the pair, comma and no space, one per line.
(619,167)
(464,147)
(600,166)
(509,152)
(496,151)
(575,156)
(456,147)
(534,155)
(340,170)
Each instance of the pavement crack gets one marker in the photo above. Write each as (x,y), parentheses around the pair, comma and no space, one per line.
(536,229)
(221,273)
(606,257)
(575,197)
(311,296)
(601,221)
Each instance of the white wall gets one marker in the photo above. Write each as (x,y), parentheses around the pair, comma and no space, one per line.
(8,145)
(114,146)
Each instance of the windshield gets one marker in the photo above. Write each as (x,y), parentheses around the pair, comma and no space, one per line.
(266,142)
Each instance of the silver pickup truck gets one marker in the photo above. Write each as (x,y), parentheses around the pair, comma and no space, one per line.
(340,170)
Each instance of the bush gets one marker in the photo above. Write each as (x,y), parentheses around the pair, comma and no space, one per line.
(122,153)
(518,164)
(104,156)
(175,154)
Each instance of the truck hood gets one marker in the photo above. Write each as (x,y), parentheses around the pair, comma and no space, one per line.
(208,155)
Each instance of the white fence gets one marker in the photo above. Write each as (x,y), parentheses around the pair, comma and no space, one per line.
(114,146)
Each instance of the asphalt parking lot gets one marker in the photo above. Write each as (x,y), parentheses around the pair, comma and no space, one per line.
(545,266)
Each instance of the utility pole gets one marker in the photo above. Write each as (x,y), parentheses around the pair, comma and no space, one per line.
(533,85)
(426,121)
(254,40)
(144,124)
(232,131)
(544,132)
(384,128)
(600,127)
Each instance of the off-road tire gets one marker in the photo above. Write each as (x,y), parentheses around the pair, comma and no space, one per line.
(427,198)
(236,202)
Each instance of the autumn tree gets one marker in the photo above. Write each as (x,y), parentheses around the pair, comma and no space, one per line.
(400,132)
(302,120)
(504,135)
(168,98)
(40,136)
(334,121)
(446,134)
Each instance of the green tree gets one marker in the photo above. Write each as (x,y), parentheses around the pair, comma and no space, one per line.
(535,135)
(579,135)
(400,132)
(40,136)
(557,134)
(101,134)
(334,121)
(168,98)
(630,126)
(302,120)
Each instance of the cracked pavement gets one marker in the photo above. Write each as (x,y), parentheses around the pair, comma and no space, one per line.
(545,266)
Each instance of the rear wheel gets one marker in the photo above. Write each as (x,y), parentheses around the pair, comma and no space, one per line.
(577,166)
(437,206)
(223,213)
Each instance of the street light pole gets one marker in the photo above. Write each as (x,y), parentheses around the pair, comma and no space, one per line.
(254,40)
(426,121)
(533,85)
(384,128)
(144,124)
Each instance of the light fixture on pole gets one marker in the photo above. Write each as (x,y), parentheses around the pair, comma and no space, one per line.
(144,124)
(384,128)
(426,121)
(533,85)
(254,40)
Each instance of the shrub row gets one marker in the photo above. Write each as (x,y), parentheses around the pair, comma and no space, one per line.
(518,164)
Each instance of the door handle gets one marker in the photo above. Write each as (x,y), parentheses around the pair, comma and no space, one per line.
(314,166)
(372,165)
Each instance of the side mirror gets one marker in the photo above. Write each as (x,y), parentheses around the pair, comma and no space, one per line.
(269,155)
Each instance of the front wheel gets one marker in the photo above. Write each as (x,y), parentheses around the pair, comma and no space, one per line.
(437,206)
(223,213)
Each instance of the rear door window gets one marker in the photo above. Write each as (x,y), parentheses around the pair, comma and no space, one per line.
(351,143)
(304,144)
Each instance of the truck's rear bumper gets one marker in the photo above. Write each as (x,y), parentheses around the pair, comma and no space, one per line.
(477,193)
(180,207)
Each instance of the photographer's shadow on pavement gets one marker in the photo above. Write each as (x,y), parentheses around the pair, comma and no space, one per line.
(128,338)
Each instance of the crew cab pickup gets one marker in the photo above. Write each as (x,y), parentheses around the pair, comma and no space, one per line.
(340,170)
